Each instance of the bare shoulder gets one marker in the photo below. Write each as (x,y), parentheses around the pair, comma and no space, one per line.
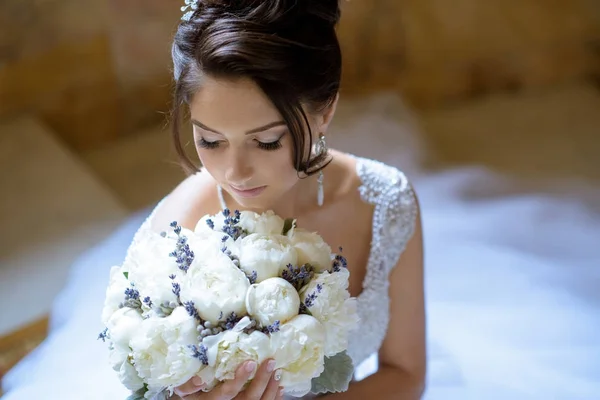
(187,203)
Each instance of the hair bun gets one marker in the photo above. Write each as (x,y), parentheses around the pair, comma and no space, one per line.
(276,11)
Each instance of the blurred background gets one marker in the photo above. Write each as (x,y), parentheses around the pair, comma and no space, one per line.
(511,87)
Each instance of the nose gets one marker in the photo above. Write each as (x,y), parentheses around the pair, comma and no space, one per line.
(239,168)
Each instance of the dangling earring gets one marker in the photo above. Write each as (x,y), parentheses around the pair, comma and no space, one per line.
(321,149)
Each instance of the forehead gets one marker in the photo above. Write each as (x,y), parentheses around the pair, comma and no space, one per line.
(232,105)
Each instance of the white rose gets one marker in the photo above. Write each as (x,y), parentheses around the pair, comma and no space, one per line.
(267,223)
(328,300)
(229,349)
(312,249)
(115,293)
(122,325)
(160,350)
(216,287)
(299,352)
(274,299)
(267,255)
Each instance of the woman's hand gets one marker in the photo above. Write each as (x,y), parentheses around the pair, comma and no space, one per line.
(264,386)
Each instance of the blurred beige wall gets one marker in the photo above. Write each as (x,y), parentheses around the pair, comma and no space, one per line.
(97,70)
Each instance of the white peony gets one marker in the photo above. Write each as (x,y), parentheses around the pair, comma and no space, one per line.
(299,352)
(122,325)
(115,293)
(150,266)
(311,249)
(267,255)
(229,349)
(274,299)
(216,287)
(333,307)
(160,350)
(267,223)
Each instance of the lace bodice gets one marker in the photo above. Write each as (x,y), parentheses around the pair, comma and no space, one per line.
(394,218)
(389,191)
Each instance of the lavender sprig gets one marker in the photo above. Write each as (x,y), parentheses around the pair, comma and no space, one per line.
(191,310)
(298,277)
(230,226)
(183,255)
(310,300)
(148,301)
(200,352)
(104,335)
(274,327)
(339,262)
(253,277)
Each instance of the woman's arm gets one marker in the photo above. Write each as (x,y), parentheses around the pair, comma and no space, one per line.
(402,358)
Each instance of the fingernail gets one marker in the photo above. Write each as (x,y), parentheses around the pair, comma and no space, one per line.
(281,392)
(271,366)
(197,381)
(251,366)
(278,375)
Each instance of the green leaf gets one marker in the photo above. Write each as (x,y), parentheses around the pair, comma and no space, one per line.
(126,275)
(287,225)
(337,375)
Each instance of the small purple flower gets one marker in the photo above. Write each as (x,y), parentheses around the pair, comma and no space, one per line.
(191,310)
(103,335)
(132,293)
(176,289)
(230,227)
(252,278)
(310,299)
(339,262)
(172,276)
(147,301)
(273,327)
(298,276)
(183,255)
(210,223)
(199,352)
(231,321)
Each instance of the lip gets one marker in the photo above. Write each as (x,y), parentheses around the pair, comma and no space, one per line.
(248,193)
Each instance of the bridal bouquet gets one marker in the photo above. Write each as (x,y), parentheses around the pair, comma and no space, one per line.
(241,286)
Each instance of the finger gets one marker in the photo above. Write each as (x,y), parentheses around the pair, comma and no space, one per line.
(192,386)
(261,381)
(229,389)
(279,394)
(272,390)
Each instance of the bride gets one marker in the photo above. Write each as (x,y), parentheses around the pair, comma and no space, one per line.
(260,80)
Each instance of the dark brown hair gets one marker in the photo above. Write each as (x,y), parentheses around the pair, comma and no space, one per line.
(289,48)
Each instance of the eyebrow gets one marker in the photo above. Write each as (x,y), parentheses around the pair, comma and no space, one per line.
(250,132)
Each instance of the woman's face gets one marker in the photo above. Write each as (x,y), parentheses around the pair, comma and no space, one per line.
(243,142)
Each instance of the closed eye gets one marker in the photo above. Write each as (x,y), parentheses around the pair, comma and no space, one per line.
(267,146)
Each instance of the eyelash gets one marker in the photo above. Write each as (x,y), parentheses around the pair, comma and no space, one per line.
(272,146)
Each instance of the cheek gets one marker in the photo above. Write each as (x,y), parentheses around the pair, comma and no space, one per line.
(209,161)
